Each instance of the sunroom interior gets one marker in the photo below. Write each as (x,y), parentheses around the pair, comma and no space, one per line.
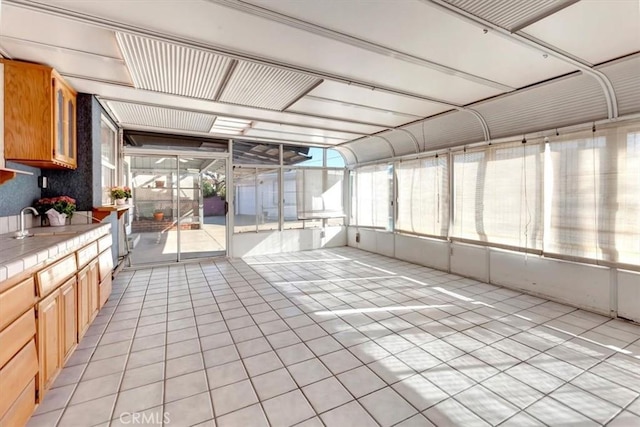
(424,212)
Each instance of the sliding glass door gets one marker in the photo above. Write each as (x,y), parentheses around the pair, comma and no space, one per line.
(179,207)
(203,208)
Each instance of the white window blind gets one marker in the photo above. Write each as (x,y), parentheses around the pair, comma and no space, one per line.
(373,184)
(593,196)
(423,196)
(319,193)
(499,194)
(627,218)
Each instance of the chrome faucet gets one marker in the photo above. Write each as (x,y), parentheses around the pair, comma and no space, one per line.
(22,233)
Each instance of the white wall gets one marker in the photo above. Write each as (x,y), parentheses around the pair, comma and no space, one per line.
(600,289)
(275,242)
(628,291)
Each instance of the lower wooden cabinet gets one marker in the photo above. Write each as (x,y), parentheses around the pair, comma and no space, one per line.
(57,334)
(49,337)
(88,297)
(15,376)
(68,300)
(22,408)
(43,317)
(105,264)
(94,284)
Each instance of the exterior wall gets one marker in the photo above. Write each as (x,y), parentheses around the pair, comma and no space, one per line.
(275,242)
(603,290)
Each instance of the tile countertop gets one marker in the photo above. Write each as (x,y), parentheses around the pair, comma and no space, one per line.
(48,243)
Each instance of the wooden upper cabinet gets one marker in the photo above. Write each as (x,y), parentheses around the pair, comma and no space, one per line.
(39,116)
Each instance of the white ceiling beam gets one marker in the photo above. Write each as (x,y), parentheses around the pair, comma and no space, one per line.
(62,48)
(357,42)
(601,78)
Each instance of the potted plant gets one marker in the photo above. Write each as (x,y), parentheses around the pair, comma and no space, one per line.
(57,209)
(118,194)
(127,193)
(158,214)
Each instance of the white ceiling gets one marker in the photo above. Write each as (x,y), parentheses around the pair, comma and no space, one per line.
(334,72)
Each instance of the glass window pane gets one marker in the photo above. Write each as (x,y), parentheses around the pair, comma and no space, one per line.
(256,194)
(108,158)
(268,188)
(311,195)
(311,157)
(373,196)
(498,194)
(250,153)
(423,196)
(334,159)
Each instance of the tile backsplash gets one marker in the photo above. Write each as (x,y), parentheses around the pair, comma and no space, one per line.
(9,224)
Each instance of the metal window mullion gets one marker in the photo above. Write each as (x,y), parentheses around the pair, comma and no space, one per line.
(230,200)
(178,207)
(281,190)
(255,190)
(451,205)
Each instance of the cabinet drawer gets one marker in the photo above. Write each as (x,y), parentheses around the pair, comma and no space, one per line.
(16,301)
(105,264)
(86,254)
(104,243)
(16,375)
(51,277)
(16,335)
(21,410)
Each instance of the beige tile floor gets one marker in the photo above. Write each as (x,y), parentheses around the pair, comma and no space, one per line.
(154,247)
(340,338)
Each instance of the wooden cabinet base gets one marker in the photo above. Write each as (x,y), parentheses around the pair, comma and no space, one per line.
(16,375)
(16,335)
(21,410)
(49,337)
(105,290)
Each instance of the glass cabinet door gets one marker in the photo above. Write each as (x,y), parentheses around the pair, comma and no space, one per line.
(71,127)
(60,146)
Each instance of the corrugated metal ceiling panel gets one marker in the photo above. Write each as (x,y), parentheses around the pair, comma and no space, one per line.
(447,130)
(370,148)
(507,14)
(261,86)
(568,101)
(625,78)
(174,69)
(349,156)
(165,118)
(402,141)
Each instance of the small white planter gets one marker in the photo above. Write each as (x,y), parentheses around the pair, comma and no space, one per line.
(56,219)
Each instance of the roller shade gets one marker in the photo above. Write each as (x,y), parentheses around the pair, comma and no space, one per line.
(423,196)
(498,194)
(373,192)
